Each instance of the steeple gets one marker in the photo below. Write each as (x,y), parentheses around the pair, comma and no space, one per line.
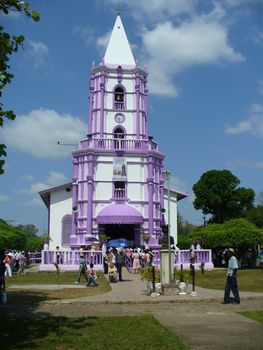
(118,52)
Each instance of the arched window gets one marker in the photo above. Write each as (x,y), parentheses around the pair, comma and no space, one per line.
(119,97)
(66,229)
(119,135)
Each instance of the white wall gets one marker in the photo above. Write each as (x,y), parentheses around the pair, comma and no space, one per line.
(60,205)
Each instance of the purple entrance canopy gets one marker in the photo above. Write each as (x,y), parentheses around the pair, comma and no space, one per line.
(119,214)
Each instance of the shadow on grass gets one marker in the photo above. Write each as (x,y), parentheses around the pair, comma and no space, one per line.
(38,333)
(54,333)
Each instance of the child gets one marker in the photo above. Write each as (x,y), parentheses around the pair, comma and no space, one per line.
(91,276)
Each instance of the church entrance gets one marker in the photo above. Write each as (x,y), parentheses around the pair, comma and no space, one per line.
(115,231)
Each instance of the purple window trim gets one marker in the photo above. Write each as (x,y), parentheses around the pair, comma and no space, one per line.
(123,104)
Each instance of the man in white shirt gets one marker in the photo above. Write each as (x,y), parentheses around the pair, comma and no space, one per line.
(231,280)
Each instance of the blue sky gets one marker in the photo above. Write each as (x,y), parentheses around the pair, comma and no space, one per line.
(204,60)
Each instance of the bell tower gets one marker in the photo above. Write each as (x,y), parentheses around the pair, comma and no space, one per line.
(117,176)
(118,92)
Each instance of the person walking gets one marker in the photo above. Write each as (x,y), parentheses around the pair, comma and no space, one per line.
(22,264)
(8,262)
(119,263)
(231,280)
(82,267)
(136,261)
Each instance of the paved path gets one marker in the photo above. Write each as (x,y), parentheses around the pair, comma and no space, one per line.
(202,322)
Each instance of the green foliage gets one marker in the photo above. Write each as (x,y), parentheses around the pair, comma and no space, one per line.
(236,233)
(183,242)
(18,237)
(255,215)
(8,45)
(147,274)
(217,193)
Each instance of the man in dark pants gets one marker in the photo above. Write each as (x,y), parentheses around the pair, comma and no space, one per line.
(231,280)
(119,263)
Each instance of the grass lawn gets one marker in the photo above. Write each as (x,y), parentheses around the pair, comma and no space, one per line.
(137,332)
(256,315)
(34,296)
(248,280)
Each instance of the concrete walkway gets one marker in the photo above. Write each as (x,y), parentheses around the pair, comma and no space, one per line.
(202,322)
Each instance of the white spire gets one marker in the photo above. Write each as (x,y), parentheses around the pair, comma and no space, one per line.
(118,52)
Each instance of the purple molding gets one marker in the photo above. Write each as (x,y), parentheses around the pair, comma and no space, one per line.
(102,90)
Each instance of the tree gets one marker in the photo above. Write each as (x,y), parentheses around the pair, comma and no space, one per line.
(8,45)
(217,193)
(236,233)
(20,237)
(255,215)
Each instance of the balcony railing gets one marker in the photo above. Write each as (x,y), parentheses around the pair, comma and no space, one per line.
(118,105)
(119,144)
(119,193)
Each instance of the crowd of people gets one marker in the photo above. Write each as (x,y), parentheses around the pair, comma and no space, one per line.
(15,260)
(11,261)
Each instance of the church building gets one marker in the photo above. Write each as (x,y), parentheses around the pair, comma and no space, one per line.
(118,187)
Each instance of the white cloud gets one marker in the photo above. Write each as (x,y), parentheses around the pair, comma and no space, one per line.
(39,52)
(85,33)
(103,41)
(34,202)
(254,123)
(27,177)
(257,36)
(169,49)
(3,199)
(53,179)
(38,132)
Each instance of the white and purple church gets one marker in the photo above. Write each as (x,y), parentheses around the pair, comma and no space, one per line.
(118,187)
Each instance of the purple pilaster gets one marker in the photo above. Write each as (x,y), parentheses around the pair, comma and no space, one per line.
(161,194)
(90,194)
(146,113)
(150,195)
(102,94)
(73,237)
(91,100)
(137,89)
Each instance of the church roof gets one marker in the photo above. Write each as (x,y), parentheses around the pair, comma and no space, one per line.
(119,52)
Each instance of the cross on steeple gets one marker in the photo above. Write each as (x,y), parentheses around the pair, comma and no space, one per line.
(118,9)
